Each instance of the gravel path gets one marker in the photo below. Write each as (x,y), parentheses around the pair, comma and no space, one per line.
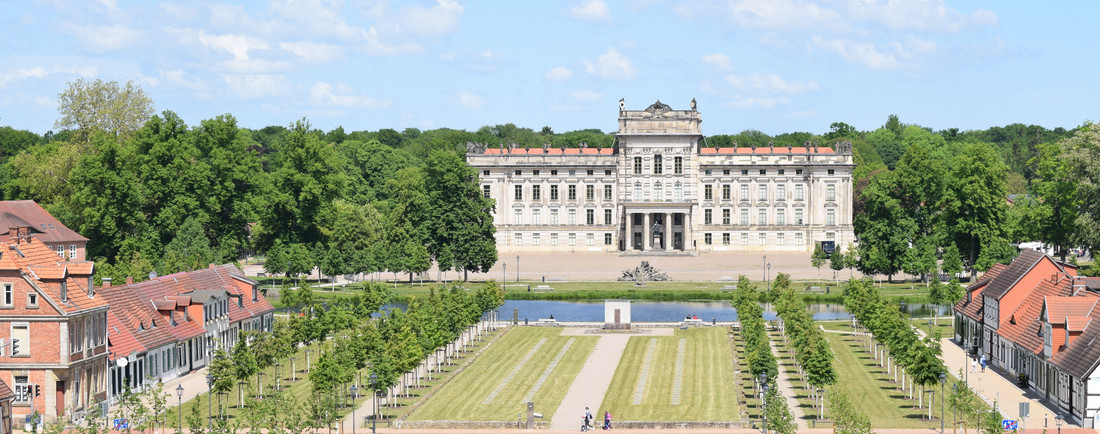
(787,390)
(591,384)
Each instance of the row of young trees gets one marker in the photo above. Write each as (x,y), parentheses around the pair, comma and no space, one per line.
(812,354)
(892,339)
(758,355)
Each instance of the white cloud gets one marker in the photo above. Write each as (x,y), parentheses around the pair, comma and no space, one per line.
(757,102)
(256,85)
(442,19)
(487,60)
(784,15)
(860,53)
(468,100)
(930,16)
(236,45)
(586,96)
(21,74)
(558,73)
(101,39)
(180,78)
(590,10)
(322,93)
(718,60)
(312,52)
(770,83)
(611,66)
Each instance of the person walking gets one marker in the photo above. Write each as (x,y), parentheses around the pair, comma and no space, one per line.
(606,420)
(983,362)
(973,365)
(587,425)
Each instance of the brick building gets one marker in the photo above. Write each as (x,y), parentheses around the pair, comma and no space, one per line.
(55,328)
(27,213)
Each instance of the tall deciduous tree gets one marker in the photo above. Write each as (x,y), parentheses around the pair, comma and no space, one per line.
(103,105)
(1082,151)
(975,202)
(461,231)
(189,250)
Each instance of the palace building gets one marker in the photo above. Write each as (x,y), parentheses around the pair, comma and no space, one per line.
(660,189)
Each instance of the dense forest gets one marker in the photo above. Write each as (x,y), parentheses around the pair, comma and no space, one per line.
(154,193)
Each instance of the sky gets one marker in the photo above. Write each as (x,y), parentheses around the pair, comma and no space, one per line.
(777,66)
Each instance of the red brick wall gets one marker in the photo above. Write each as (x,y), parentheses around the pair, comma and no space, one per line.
(1016,295)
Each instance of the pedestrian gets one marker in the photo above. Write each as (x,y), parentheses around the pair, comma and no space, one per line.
(983,362)
(973,365)
(606,420)
(587,419)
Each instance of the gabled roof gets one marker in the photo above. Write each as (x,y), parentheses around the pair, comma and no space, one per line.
(1077,324)
(19,213)
(1019,267)
(46,272)
(120,341)
(138,316)
(1024,324)
(1081,357)
(971,306)
(1060,308)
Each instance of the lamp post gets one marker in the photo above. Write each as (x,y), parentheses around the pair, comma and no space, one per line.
(954,414)
(517,268)
(943,379)
(966,355)
(374,398)
(209,397)
(765,264)
(764,406)
(179,404)
(768,273)
(354,421)
(504,276)
(1058,421)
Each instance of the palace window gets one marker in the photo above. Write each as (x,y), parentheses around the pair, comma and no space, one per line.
(553,172)
(707,239)
(590,172)
(798,192)
(607,192)
(637,165)
(678,191)
(607,239)
(485,189)
(781,171)
(484,173)
(590,192)
(554,216)
(744,238)
(535,172)
(536,192)
(726,193)
(572,217)
(744,171)
(761,216)
(518,220)
(519,172)
(708,217)
(763,172)
(678,165)
(590,239)
(553,238)
(519,239)
(744,217)
(553,192)
(781,192)
(830,217)
(572,239)
(536,239)
(798,216)
(658,164)
(830,191)
(607,172)
(832,172)
(536,216)
(637,191)
(725,171)
(519,192)
(798,239)
(726,216)
(658,191)
(780,216)
(725,238)
(762,192)
(781,239)
(763,239)
(708,192)
(590,216)
(572,192)
(606,216)
(572,172)
(745,192)
(797,171)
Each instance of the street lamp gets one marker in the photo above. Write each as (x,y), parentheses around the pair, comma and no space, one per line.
(943,379)
(179,404)
(504,276)
(765,264)
(374,398)
(354,421)
(764,406)
(1058,421)
(209,397)
(954,415)
(767,274)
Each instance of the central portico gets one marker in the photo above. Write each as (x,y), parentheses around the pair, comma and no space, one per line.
(658,227)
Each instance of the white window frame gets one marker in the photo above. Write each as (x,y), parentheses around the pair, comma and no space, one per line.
(24,342)
(536,239)
(518,239)
(781,217)
(8,299)
(799,192)
(554,216)
(763,238)
(536,216)
(830,191)
(572,238)
(830,217)
(590,239)
(744,238)
(553,238)
(572,220)
(798,241)
(744,192)
(781,239)
(762,216)
(517,219)
(762,192)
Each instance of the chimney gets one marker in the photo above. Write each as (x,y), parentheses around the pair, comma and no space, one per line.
(129,279)
(1078,285)
(211,265)
(13,232)
(106,282)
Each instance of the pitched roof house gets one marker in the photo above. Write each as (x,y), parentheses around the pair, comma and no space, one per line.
(41,225)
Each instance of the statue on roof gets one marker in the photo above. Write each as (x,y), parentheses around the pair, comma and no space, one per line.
(658,108)
(475,148)
(844,147)
(693,104)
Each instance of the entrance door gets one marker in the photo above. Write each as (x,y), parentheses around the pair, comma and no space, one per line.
(678,241)
(637,241)
(60,399)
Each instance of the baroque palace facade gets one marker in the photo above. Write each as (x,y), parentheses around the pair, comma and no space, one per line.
(661,189)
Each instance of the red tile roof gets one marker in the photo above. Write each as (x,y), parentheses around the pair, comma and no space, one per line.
(1076,324)
(17,213)
(1060,308)
(971,306)
(1023,325)
(120,342)
(36,257)
(767,150)
(48,272)
(550,151)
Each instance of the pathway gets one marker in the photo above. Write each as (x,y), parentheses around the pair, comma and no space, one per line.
(591,384)
(787,390)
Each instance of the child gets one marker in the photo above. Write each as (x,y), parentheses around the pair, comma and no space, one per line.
(606,420)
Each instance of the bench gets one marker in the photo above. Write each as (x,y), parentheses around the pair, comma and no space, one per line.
(542,288)
(546,322)
(815,290)
(729,288)
(691,323)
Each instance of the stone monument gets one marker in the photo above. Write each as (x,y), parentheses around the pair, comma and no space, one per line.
(616,314)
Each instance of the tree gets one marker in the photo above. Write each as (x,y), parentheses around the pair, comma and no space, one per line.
(837,261)
(1082,151)
(107,197)
(974,201)
(847,419)
(818,258)
(190,250)
(103,105)
(780,418)
(952,260)
(244,364)
(460,227)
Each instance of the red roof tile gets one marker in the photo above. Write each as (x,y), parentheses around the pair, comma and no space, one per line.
(45,227)
(119,339)
(1059,308)
(48,272)
(1023,325)
(1076,324)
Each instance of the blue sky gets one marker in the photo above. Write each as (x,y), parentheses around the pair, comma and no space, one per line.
(773,65)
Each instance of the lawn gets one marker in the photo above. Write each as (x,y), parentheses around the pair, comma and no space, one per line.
(496,386)
(872,391)
(706,392)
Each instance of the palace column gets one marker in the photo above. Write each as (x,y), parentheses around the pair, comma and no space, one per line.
(629,231)
(667,231)
(647,232)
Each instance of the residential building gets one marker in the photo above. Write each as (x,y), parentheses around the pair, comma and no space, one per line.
(662,189)
(53,327)
(1033,317)
(43,226)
